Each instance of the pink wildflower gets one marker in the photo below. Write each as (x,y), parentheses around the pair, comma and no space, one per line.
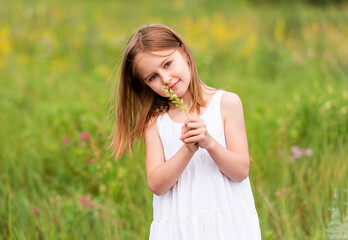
(91,206)
(36,211)
(54,219)
(84,136)
(297,152)
(309,152)
(66,140)
(84,200)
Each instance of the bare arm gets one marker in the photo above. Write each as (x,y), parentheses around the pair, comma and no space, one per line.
(233,161)
(162,175)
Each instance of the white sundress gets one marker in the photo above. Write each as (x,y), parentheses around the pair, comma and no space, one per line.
(204,204)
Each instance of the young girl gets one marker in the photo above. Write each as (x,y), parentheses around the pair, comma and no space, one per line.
(197,167)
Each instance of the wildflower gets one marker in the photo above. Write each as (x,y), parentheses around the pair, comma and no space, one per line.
(36,211)
(54,219)
(84,136)
(91,206)
(309,152)
(66,140)
(179,103)
(84,200)
(297,152)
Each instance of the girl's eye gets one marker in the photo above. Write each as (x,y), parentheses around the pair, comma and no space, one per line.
(152,77)
(167,64)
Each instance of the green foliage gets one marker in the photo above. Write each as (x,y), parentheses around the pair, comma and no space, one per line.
(58,61)
(311,2)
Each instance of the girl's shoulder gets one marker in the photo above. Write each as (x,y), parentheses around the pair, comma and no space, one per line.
(151,123)
(230,99)
(150,128)
(231,104)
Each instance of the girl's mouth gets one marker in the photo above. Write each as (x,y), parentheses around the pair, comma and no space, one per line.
(174,85)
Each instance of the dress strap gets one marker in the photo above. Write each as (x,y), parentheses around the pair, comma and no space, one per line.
(212,116)
(214,104)
(217,97)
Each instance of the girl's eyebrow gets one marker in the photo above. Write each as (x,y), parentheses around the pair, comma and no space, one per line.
(159,65)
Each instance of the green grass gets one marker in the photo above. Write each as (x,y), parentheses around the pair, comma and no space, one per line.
(58,62)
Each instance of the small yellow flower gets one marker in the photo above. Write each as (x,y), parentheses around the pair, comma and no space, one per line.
(179,103)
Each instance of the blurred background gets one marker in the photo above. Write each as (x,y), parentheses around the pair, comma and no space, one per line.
(59,60)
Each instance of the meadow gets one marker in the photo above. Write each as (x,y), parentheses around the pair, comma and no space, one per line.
(59,62)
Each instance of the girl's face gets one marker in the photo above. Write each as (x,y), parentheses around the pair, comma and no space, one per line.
(166,67)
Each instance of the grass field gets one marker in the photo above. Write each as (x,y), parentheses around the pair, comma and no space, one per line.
(58,63)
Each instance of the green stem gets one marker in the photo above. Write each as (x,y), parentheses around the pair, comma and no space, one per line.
(187,115)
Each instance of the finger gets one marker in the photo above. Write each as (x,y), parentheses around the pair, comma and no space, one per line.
(193,139)
(193,125)
(191,133)
(184,130)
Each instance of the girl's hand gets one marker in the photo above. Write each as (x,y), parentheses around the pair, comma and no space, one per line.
(195,132)
(192,147)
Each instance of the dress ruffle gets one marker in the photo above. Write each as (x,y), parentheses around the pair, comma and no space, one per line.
(235,222)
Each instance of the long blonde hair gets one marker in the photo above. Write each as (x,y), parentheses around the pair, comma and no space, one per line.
(136,103)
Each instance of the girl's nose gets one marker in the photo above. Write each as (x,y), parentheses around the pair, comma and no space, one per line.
(166,78)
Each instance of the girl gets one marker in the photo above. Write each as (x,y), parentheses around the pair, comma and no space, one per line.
(197,167)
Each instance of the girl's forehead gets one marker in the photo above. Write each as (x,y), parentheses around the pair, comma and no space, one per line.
(147,61)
